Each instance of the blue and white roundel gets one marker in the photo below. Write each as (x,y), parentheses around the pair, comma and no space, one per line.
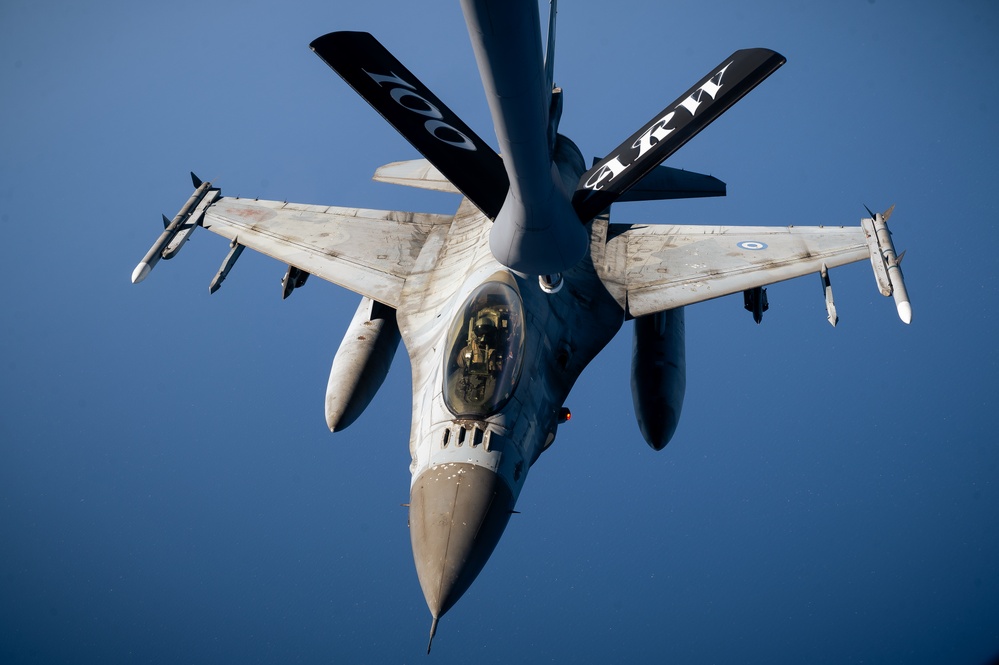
(752,244)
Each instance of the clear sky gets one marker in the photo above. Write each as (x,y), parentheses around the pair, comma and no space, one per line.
(169,491)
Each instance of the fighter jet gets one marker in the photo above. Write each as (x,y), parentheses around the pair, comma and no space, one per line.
(502,304)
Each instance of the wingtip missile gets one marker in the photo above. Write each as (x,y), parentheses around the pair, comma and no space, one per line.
(885,262)
(155,252)
(904,311)
(141,272)
(177,231)
(901,295)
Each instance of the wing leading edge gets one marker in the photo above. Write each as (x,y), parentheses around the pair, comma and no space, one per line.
(370,252)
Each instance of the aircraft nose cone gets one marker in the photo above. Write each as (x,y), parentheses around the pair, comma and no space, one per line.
(457,514)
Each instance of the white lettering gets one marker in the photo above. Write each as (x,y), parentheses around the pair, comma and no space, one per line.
(429,110)
(391,78)
(433,126)
(710,88)
(610,170)
(657,131)
(403,93)
(692,102)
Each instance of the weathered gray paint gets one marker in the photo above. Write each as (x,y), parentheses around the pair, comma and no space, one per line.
(471,471)
(361,363)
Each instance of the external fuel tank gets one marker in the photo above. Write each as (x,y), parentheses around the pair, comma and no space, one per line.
(361,363)
(659,374)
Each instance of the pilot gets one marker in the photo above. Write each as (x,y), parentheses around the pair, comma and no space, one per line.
(485,330)
(479,354)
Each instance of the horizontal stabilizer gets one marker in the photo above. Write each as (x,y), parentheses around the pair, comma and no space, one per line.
(726,84)
(416,113)
(665,182)
(417,173)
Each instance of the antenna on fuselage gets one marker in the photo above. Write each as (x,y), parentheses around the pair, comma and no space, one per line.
(550,50)
(554,94)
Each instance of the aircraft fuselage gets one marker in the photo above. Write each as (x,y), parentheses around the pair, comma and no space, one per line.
(468,468)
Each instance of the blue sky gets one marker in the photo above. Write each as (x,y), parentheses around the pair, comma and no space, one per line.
(169,491)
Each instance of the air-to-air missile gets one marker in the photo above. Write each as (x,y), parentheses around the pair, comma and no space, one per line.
(176,232)
(887,265)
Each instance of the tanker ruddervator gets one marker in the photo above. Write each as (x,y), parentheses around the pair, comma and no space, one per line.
(503,304)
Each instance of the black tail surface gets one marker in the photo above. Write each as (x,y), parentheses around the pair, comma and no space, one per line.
(671,128)
(416,113)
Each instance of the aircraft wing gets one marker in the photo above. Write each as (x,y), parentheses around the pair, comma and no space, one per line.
(370,252)
(651,268)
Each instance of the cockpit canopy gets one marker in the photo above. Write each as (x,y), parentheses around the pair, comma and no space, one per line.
(485,351)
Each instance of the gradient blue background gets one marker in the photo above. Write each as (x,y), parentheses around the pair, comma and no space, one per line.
(169,491)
